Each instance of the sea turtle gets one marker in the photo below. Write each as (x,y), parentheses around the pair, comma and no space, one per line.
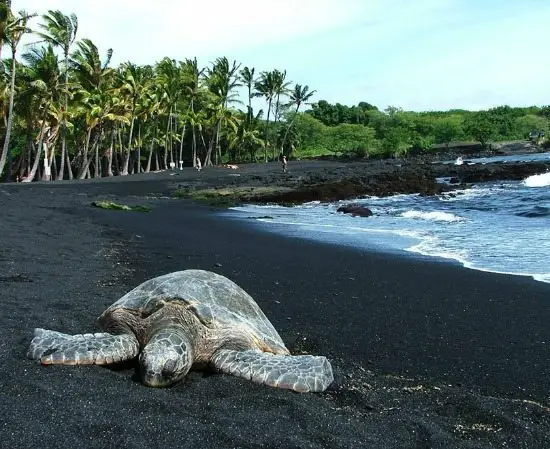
(184,319)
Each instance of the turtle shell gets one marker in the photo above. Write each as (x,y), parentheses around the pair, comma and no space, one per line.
(216,301)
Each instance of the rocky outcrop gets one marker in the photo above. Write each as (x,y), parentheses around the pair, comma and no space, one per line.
(355,210)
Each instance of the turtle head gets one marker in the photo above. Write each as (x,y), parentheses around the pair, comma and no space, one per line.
(166,359)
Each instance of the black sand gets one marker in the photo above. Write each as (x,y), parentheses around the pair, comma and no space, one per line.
(426,354)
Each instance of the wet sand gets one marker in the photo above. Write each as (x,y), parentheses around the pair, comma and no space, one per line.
(425,354)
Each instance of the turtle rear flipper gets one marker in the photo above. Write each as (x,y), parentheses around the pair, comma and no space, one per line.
(51,347)
(302,373)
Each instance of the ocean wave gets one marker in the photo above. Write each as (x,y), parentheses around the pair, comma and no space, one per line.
(542,180)
(432,216)
(535,212)
(432,247)
(429,247)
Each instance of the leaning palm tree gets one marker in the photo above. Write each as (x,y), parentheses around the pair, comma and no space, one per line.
(60,31)
(16,28)
(298,96)
(45,84)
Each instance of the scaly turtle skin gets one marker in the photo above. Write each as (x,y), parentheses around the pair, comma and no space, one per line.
(184,319)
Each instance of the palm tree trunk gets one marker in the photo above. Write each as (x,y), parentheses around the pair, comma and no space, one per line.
(267,130)
(180,158)
(127,154)
(275,125)
(148,168)
(5,150)
(167,139)
(97,172)
(138,157)
(41,143)
(117,161)
(85,162)
(288,129)
(208,158)
(86,170)
(218,149)
(194,151)
(46,174)
(61,173)
(69,165)
(110,154)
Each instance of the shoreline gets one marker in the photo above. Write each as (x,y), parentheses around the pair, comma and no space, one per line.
(264,222)
(425,354)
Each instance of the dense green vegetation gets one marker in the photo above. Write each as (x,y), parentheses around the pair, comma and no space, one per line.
(69,114)
(363,130)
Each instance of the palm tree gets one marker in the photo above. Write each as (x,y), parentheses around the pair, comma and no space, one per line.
(244,136)
(16,28)
(280,87)
(132,84)
(60,31)
(95,93)
(194,91)
(265,87)
(247,77)
(170,80)
(221,81)
(298,96)
(42,67)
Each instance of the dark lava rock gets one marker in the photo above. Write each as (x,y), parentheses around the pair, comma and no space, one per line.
(356,210)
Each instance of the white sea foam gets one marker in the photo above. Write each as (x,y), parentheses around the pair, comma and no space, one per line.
(542,180)
(431,247)
(432,216)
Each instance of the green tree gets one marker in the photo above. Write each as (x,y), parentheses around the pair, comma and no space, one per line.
(527,123)
(352,140)
(479,126)
(448,129)
(312,135)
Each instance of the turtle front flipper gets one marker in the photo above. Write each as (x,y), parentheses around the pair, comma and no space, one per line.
(301,373)
(51,347)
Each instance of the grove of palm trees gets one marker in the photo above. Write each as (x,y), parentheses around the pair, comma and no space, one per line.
(68,114)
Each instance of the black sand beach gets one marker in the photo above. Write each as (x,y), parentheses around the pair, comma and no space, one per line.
(426,354)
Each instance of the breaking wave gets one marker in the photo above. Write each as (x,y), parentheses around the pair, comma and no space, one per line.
(432,216)
(542,180)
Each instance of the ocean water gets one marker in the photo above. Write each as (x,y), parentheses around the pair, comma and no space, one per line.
(533,157)
(502,227)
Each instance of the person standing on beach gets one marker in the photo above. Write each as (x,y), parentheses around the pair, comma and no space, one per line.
(285,163)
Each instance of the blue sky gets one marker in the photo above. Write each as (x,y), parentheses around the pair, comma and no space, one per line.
(414,54)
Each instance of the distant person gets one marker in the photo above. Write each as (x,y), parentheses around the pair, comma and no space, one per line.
(284,163)
(198,164)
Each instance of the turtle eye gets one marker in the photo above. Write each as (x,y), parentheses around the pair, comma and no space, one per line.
(169,368)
